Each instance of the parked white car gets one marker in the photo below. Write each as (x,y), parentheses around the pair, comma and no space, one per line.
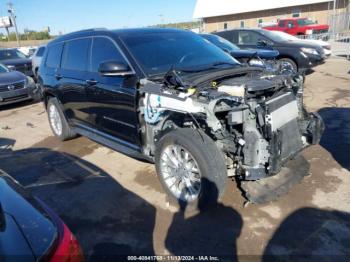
(36,59)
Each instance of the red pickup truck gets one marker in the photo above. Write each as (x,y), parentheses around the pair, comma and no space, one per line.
(298,26)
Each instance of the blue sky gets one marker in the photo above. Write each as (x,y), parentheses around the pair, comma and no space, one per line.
(71,15)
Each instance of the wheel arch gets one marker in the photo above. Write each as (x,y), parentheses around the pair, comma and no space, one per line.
(289,57)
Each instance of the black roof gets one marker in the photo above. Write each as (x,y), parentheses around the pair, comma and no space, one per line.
(116,32)
(241,29)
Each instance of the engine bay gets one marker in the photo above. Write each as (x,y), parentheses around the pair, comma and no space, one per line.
(256,118)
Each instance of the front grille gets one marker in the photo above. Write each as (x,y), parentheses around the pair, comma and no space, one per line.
(10,87)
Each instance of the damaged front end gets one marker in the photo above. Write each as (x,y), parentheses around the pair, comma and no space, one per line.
(256,118)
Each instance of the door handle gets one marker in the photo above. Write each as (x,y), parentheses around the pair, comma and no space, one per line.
(58,76)
(91,82)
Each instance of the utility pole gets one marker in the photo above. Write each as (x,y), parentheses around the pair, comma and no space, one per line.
(11,11)
(334,16)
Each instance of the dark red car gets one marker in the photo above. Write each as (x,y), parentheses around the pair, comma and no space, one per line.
(30,230)
(299,26)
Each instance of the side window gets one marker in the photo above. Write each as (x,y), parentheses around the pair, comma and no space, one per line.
(54,54)
(40,52)
(282,23)
(230,36)
(291,24)
(248,38)
(75,54)
(103,49)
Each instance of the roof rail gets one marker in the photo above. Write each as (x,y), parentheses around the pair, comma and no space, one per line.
(87,30)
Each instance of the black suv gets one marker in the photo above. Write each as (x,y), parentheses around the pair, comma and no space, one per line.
(170,97)
(300,55)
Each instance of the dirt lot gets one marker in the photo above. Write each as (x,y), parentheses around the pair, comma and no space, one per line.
(115,204)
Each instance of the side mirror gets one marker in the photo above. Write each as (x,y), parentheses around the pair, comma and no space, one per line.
(226,50)
(110,68)
(262,43)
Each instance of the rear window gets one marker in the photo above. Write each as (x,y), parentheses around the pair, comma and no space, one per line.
(40,52)
(75,54)
(54,55)
(282,23)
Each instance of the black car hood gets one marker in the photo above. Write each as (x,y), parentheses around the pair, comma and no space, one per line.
(11,77)
(29,215)
(16,61)
(298,44)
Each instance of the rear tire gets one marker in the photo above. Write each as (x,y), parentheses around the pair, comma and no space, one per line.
(58,122)
(191,168)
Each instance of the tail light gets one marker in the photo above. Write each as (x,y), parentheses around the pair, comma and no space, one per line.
(68,248)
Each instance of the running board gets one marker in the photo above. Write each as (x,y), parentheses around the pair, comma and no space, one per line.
(112,143)
(269,189)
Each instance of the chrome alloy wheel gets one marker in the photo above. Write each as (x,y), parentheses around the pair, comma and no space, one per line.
(180,172)
(55,120)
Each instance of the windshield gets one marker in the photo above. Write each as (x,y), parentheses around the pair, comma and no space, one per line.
(11,54)
(3,69)
(303,22)
(221,42)
(157,53)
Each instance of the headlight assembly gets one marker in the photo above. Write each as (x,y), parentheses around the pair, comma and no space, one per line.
(256,62)
(311,51)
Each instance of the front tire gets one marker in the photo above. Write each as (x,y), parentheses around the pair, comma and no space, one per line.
(290,63)
(58,122)
(191,168)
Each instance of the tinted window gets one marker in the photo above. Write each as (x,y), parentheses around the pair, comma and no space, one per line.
(103,49)
(75,54)
(40,52)
(282,23)
(230,36)
(247,38)
(54,55)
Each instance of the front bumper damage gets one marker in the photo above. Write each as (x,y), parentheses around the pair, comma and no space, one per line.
(257,120)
